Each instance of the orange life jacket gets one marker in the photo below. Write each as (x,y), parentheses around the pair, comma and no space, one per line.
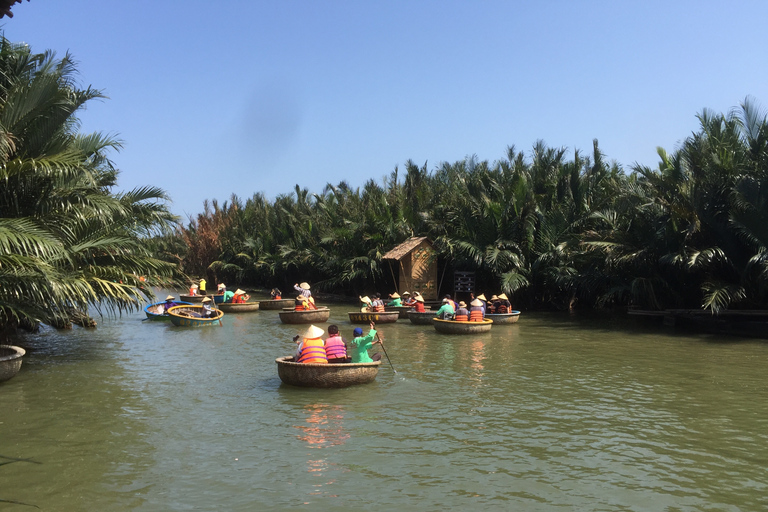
(313,351)
(476,315)
(461,318)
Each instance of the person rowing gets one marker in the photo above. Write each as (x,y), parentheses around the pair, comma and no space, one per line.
(358,347)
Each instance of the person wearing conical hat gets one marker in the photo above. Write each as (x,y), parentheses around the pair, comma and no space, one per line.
(367,307)
(193,290)
(395,300)
(239,297)
(503,305)
(207,309)
(408,300)
(358,347)
(462,313)
(419,304)
(476,311)
(221,288)
(303,290)
(492,304)
(169,303)
(482,299)
(311,349)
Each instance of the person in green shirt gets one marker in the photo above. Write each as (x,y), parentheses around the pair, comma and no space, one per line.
(358,347)
(395,300)
(446,311)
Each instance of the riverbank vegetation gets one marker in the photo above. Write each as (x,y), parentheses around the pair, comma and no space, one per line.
(67,242)
(550,228)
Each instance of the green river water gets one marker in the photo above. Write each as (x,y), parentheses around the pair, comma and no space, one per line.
(554,413)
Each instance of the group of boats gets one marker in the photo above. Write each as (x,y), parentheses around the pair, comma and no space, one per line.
(189,312)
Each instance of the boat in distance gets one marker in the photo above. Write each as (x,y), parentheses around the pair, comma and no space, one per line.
(461,327)
(366,317)
(238,307)
(307,316)
(331,375)
(504,318)
(276,304)
(157,311)
(424,318)
(193,316)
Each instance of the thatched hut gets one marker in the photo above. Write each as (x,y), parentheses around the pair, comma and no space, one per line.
(416,261)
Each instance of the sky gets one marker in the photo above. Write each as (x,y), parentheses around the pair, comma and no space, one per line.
(242,97)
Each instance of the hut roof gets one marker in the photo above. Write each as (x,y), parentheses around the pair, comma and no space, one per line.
(405,248)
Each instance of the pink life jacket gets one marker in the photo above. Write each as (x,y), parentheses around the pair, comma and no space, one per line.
(335,347)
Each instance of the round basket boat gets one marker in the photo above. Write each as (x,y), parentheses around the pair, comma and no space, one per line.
(192,298)
(504,318)
(218,298)
(10,361)
(454,327)
(192,316)
(310,316)
(329,375)
(421,318)
(156,311)
(360,317)
(235,307)
(403,310)
(276,305)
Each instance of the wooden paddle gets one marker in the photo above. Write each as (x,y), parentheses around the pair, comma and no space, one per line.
(385,351)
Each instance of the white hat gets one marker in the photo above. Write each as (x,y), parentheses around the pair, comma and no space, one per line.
(313,332)
(222,285)
(476,302)
(419,299)
(394,295)
(194,286)
(503,296)
(304,286)
(239,292)
(482,297)
(207,299)
(170,297)
(365,300)
(405,293)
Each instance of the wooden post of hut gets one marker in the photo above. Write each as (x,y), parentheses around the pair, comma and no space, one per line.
(417,267)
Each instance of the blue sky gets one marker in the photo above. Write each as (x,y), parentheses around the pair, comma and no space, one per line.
(243,96)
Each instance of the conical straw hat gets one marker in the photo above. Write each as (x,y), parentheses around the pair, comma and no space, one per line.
(304,286)
(239,292)
(207,299)
(365,300)
(482,297)
(476,303)
(405,293)
(503,297)
(313,332)
(395,295)
(419,299)
(170,297)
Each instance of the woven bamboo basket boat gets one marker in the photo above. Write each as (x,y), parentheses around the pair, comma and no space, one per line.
(156,311)
(10,361)
(194,299)
(310,316)
(454,327)
(242,307)
(360,317)
(403,310)
(192,316)
(276,305)
(338,375)
(217,298)
(421,318)
(504,318)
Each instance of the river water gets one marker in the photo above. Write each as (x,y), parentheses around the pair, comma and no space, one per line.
(553,413)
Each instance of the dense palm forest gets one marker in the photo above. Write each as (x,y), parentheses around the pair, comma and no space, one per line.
(553,229)
(550,228)
(67,243)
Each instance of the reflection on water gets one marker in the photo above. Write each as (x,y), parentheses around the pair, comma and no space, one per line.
(551,413)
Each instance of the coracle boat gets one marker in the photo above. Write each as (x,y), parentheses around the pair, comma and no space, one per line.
(403,310)
(332,375)
(156,311)
(309,316)
(10,361)
(195,299)
(238,307)
(192,316)
(504,318)
(361,317)
(457,327)
(424,318)
(276,304)
(217,298)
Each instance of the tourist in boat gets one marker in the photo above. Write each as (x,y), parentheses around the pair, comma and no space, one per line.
(377,304)
(221,289)
(483,300)
(503,305)
(358,347)
(452,302)
(446,311)
(202,287)
(419,305)
(207,309)
(462,313)
(335,346)
(476,311)
(492,304)
(240,297)
(303,290)
(395,300)
(311,348)
(193,290)
(301,303)
(169,303)
(227,296)
(408,300)
(367,307)
(276,294)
